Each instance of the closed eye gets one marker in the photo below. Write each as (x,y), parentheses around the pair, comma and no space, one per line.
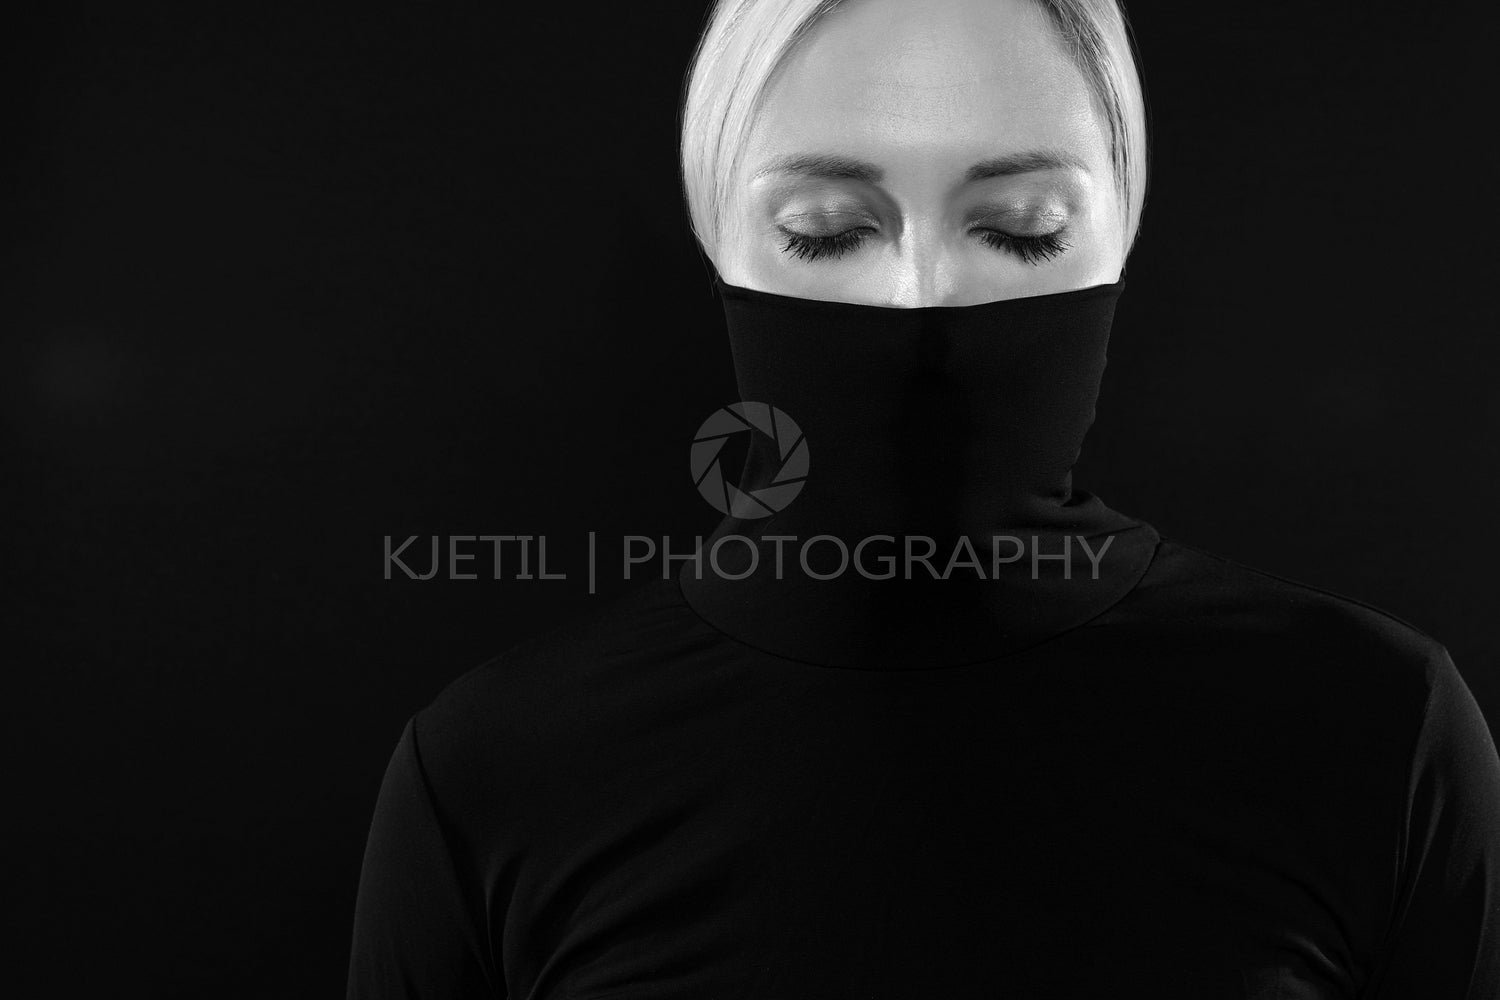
(808,247)
(1030,249)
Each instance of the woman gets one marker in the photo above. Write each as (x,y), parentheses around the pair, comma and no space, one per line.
(924,719)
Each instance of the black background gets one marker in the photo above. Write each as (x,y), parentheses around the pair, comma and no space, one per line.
(280,285)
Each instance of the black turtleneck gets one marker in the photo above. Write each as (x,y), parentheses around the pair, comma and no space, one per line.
(1139,770)
(950,430)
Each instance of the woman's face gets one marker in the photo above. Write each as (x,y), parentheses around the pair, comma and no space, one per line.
(921,154)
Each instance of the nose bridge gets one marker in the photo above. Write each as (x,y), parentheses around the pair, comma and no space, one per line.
(924,270)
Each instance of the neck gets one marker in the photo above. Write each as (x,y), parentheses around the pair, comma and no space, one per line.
(944,433)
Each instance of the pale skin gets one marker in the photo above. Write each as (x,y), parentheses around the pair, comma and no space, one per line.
(926,154)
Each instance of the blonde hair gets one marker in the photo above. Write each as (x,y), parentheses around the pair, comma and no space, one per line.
(745,42)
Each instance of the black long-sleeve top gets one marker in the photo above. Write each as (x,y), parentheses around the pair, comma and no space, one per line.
(1228,786)
(1157,773)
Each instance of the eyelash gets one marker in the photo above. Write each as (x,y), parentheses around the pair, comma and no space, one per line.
(1031,249)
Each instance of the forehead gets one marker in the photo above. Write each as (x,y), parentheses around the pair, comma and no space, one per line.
(929,83)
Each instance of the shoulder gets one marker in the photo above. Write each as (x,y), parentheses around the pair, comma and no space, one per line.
(647,622)
(1203,594)
(1335,678)
(534,708)
(1330,660)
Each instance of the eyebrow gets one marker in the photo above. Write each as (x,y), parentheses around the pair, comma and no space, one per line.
(833,166)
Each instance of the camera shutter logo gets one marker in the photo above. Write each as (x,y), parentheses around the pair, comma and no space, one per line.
(749,418)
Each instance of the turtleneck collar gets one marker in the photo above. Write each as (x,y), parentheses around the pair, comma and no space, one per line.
(944,432)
